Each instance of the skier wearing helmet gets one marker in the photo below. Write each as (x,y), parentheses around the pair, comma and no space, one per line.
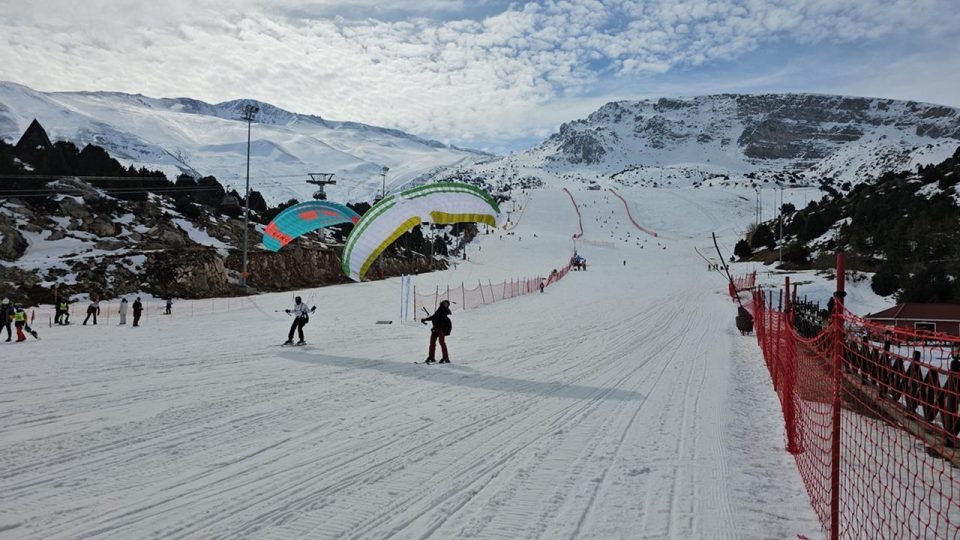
(301,314)
(441,329)
(20,322)
(6,317)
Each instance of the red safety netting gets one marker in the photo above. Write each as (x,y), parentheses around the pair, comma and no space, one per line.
(484,293)
(630,215)
(579,217)
(743,282)
(509,226)
(871,417)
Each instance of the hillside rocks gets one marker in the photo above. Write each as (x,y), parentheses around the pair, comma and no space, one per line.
(195,273)
(12,243)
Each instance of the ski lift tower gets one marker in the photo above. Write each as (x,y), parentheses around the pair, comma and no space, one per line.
(321,179)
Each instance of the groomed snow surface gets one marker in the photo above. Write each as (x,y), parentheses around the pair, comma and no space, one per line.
(620,403)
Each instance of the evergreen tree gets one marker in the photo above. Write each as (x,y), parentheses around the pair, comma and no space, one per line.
(742,250)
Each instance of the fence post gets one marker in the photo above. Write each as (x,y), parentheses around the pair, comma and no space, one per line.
(482,298)
(790,361)
(463,296)
(837,374)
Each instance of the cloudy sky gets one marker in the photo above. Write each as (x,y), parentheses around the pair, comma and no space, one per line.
(481,73)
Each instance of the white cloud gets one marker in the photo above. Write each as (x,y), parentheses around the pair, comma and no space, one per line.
(459,71)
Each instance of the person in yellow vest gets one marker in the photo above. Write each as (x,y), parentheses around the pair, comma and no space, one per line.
(63,313)
(19,321)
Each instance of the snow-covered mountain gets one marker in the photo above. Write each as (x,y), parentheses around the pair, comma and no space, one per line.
(187,135)
(741,138)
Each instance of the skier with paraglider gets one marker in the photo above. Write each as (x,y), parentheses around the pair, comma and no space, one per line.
(443,203)
(296,221)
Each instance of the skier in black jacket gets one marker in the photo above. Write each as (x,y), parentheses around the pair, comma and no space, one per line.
(137,311)
(441,328)
(6,316)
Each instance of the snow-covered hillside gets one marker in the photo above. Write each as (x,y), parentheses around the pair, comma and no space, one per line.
(186,135)
(619,403)
(741,139)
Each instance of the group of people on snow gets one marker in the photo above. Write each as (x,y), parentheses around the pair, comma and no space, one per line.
(62,316)
(14,315)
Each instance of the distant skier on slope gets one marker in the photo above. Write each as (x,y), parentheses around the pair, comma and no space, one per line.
(441,328)
(6,317)
(137,311)
(93,310)
(123,311)
(301,315)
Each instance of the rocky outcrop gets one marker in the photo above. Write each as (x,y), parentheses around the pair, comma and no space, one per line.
(71,208)
(193,273)
(102,227)
(12,243)
(301,267)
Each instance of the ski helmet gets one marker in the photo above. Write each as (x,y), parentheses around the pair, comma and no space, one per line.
(445,303)
(6,301)
(298,300)
(18,305)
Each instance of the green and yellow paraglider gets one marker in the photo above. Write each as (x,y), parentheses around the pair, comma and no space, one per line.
(443,203)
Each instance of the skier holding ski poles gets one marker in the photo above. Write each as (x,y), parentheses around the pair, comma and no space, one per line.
(301,315)
(441,328)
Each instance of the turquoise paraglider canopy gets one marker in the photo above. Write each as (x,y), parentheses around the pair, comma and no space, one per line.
(305,217)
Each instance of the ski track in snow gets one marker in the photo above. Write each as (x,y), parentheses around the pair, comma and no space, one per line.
(621,403)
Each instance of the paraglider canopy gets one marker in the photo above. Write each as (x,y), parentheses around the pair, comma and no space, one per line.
(443,203)
(303,218)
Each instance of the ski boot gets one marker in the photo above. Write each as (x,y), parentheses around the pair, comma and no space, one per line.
(429,361)
(301,343)
(288,342)
(444,360)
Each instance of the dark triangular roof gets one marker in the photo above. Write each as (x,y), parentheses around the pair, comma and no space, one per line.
(927,312)
(33,137)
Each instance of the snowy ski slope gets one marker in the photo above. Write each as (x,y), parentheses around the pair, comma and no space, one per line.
(621,403)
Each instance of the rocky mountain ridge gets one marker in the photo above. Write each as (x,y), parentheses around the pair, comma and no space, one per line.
(740,139)
(189,136)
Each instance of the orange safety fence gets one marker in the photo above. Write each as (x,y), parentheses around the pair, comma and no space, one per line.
(743,282)
(462,297)
(579,217)
(630,215)
(871,417)
(513,225)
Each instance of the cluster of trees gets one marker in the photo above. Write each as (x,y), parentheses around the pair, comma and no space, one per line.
(902,226)
(27,173)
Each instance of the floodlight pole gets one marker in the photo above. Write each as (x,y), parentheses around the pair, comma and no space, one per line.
(383,195)
(249,113)
(383,180)
(781,223)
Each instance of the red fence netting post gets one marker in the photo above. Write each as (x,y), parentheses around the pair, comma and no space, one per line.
(836,416)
